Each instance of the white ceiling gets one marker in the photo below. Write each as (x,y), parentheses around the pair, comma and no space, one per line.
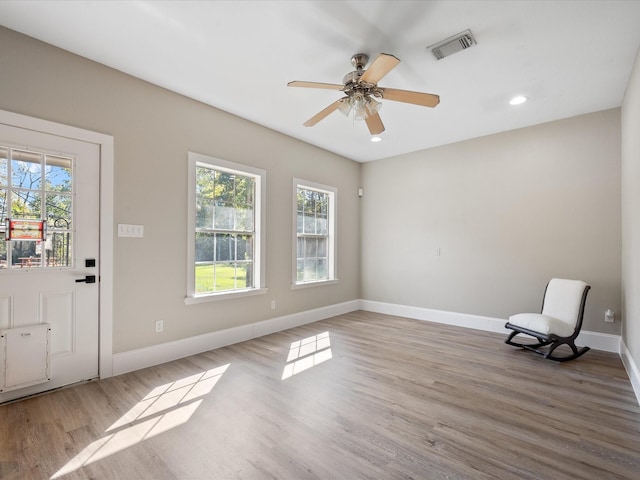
(569,57)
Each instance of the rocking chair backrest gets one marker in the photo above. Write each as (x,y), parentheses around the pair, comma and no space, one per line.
(563,300)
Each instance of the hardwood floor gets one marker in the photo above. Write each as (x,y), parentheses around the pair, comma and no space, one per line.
(365,396)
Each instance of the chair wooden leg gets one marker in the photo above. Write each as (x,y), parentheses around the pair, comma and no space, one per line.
(541,343)
(547,353)
(576,353)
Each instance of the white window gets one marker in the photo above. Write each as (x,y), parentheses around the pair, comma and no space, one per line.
(225,246)
(315,238)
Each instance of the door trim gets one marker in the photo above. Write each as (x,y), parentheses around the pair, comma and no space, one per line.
(106,145)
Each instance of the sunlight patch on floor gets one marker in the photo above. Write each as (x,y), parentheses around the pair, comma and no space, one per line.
(164,408)
(307,353)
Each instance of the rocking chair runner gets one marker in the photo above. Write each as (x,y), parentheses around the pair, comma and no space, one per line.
(558,324)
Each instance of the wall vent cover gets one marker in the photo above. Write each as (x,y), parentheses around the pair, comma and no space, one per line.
(451,45)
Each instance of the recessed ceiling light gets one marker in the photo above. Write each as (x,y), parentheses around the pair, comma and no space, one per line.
(518,100)
(376,139)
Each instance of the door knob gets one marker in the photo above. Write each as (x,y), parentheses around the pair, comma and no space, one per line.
(87,279)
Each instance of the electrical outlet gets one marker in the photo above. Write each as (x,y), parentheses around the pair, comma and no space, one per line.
(159,326)
(609,316)
(273,304)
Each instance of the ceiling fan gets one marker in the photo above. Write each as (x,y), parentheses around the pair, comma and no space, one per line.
(361,90)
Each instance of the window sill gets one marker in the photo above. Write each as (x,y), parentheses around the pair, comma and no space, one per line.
(318,283)
(216,297)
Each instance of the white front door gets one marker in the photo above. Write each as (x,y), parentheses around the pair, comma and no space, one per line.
(48,281)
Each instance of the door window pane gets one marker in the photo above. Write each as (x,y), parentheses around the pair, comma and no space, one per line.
(4,152)
(58,173)
(25,194)
(26,169)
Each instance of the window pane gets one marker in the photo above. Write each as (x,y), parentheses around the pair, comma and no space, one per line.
(310,247)
(300,223)
(58,173)
(245,247)
(300,271)
(321,225)
(3,206)
(244,219)
(204,247)
(223,216)
(204,197)
(224,187)
(322,272)
(58,249)
(244,278)
(322,248)
(310,266)
(58,210)
(225,247)
(309,224)
(26,169)
(204,278)
(24,254)
(4,152)
(322,205)
(300,251)
(309,205)
(204,211)
(300,200)
(3,252)
(25,204)
(225,276)
(244,191)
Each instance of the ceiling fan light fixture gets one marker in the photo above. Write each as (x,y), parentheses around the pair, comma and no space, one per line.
(362,106)
(359,106)
(376,138)
(373,106)
(345,106)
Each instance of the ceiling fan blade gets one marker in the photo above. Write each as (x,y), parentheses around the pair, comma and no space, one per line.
(374,122)
(328,86)
(382,65)
(323,113)
(407,96)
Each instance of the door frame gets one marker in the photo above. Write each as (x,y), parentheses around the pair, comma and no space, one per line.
(105,285)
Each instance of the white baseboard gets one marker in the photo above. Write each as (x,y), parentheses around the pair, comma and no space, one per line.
(632,369)
(166,352)
(595,340)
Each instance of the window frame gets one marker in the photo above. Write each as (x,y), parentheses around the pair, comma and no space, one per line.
(331,237)
(260,176)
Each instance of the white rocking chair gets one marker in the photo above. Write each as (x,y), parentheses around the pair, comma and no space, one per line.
(558,324)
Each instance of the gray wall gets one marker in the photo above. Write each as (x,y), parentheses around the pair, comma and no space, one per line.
(153,130)
(507,211)
(630,211)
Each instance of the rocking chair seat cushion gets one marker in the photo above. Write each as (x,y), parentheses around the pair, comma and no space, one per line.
(540,323)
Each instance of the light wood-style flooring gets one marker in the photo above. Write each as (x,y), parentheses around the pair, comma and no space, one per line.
(358,396)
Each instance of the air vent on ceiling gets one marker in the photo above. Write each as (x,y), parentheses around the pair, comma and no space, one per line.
(451,45)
